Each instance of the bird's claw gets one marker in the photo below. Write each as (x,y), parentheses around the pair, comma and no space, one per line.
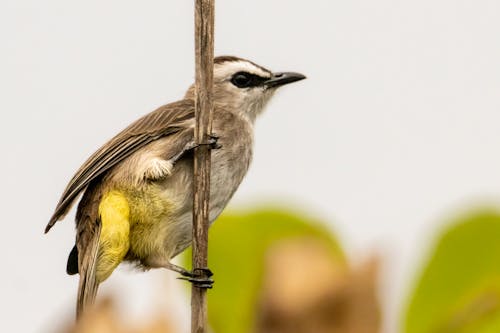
(199,277)
(213,141)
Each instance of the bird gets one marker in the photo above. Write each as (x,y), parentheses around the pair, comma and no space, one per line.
(137,189)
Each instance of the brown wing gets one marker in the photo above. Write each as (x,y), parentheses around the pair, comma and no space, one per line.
(166,120)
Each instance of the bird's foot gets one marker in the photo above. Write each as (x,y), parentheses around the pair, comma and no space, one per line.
(199,277)
(213,141)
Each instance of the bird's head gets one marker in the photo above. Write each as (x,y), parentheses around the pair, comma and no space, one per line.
(246,87)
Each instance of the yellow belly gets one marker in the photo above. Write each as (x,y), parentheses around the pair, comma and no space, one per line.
(133,223)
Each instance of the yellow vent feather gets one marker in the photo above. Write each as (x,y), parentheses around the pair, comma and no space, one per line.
(114,241)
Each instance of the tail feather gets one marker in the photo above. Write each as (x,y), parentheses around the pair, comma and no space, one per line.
(72,265)
(88,285)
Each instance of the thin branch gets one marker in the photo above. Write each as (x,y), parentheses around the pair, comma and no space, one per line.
(204,48)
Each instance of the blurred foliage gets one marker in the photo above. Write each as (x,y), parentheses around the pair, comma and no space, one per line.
(238,243)
(103,318)
(459,290)
(306,290)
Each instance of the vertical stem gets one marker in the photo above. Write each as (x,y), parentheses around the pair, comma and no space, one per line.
(204,48)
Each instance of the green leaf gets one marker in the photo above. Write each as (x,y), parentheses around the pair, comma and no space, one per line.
(237,245)
(459,290)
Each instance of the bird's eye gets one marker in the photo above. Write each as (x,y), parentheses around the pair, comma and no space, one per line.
(241,80)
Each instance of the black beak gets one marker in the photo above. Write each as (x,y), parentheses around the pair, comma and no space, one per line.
(280,79)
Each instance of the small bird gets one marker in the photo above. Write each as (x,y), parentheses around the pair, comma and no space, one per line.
(138,188)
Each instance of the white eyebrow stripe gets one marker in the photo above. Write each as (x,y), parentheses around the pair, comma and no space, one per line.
(228,68)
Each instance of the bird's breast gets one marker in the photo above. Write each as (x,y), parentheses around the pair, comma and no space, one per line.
(230,163)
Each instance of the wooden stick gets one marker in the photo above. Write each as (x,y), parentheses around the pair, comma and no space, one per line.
(204,48)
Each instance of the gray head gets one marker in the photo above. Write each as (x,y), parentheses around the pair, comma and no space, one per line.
(246,87)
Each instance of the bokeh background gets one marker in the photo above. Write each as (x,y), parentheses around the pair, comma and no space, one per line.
(392,138)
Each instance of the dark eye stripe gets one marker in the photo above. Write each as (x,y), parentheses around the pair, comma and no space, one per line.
(246,80)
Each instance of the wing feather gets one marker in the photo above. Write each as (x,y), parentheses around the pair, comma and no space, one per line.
(164,121)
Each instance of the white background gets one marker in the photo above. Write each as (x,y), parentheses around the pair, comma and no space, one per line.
(396,129)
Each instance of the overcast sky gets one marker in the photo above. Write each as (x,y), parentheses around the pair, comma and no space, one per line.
(395,130)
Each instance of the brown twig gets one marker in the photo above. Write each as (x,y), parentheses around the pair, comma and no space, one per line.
(204,48)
